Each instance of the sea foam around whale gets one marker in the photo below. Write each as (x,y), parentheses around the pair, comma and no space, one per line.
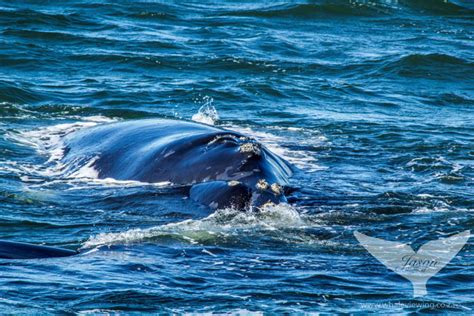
(222,224)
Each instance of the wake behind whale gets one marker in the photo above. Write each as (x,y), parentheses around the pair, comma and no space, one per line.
(218,168)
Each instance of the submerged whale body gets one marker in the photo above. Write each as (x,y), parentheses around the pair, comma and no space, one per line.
(221,168)
(19,250)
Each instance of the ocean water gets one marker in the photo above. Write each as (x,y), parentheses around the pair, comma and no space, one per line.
(373,101)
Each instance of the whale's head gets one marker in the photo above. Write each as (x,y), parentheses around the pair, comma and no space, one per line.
(265,193)
(240,172)
(237,194)
(223,168)
(245,159)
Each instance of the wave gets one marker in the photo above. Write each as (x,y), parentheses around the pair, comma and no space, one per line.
(12,92)
(16,109)
(449,99)
(434,65)
(133,62)
(223,63)
(24,17)
(441,7)
(337,8)
(356,8)
(433,59)
(55,35)
(121,58)
(153,15)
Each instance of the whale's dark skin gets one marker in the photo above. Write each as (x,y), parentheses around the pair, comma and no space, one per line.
(221,168)
(18,250)
(220,165)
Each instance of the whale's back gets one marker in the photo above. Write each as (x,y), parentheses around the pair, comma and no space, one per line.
(157,150)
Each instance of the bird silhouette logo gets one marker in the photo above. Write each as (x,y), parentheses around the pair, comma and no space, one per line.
(418,267)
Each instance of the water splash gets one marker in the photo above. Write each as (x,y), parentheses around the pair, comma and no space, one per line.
(220,224)
(48,142)
(207,113)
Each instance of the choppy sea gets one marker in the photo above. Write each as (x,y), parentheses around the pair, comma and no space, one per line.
(373,101)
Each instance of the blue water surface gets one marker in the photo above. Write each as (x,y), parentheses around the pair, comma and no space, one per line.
(373,101)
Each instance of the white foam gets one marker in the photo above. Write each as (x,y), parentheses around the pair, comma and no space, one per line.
(48,142)
(47,139)
(87,171)
(427,210)
(219,224)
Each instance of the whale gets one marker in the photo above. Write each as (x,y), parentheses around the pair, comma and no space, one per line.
(218,168)
(222,168)
(19,250)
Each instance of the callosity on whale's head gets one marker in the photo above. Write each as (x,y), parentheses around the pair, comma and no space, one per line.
(225,168)
(245,174)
